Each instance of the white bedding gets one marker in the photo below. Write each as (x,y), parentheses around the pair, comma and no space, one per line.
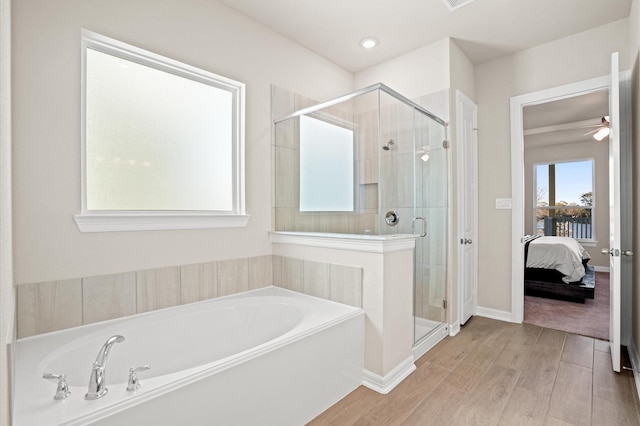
(561,253)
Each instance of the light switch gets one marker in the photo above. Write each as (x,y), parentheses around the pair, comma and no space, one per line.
(503,203)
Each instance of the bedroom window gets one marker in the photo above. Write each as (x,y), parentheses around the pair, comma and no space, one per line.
(564,201)
(162,142)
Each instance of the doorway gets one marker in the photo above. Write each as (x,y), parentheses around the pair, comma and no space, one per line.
(467,177)
(566,169)
(518,104)
(619,184)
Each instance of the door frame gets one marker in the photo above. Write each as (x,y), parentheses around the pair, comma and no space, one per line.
(462,198)
(517,176)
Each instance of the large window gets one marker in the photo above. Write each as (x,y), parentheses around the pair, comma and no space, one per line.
(162,142)
(564,199)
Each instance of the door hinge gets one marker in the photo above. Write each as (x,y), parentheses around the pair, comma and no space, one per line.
(444,304)
(445,144)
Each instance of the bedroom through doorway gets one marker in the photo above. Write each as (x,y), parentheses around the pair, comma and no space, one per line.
(566,215)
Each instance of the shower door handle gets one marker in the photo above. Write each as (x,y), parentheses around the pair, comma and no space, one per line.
(424,226)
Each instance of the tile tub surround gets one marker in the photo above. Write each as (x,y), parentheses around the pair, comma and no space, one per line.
(241,351)
(57,305)
(338,283)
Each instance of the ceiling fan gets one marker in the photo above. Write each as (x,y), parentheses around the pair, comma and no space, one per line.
(601,131)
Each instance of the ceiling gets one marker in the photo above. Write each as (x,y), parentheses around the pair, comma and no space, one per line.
(565,121)
(484,29)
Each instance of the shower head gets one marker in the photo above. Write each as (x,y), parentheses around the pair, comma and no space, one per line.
(387,147)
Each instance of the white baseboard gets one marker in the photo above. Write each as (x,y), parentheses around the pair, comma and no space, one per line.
(601,268)
(385,384)
(635,363)
(454,328)
(494,314)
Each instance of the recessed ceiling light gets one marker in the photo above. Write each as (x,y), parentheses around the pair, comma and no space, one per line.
(368,43)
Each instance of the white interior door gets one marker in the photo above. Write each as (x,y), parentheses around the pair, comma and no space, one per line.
(615,219)
(467,122)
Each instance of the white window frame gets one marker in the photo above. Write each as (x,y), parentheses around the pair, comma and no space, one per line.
(130,220)
(586,241)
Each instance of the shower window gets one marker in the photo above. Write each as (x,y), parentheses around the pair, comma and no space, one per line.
(326,166)
(162,142)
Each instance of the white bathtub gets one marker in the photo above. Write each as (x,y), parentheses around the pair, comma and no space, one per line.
(268,356)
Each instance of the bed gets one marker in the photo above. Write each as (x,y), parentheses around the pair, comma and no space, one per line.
(557,268)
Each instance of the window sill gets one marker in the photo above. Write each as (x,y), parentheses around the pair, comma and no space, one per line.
(588,243)
(130,221)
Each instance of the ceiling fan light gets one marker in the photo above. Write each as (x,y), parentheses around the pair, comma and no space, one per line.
(601,134)
(425,153)
(454,4)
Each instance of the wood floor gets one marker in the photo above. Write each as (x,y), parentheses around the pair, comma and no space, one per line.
(498,373)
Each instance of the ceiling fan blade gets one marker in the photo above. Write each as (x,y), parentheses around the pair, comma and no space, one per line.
(593,131)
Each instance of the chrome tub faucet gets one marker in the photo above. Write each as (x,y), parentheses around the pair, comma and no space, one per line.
(97,383)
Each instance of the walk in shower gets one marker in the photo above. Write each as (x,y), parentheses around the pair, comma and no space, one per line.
(371,162)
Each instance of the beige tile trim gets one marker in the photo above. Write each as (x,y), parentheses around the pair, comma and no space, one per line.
(56,305)
(339,283)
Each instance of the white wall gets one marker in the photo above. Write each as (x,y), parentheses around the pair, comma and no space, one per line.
(461,72)
(46,111)
(571,59)
(599,152)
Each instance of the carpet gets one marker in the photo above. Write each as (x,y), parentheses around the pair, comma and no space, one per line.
(588,319)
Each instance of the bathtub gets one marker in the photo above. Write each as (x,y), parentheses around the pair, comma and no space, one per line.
(269,356)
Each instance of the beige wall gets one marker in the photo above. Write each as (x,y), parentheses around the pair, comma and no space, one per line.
(419,72)
(568,60)
(634,48)
(46,110)
(7,293)
(597,151)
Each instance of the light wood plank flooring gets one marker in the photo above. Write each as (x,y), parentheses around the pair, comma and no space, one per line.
(498,373)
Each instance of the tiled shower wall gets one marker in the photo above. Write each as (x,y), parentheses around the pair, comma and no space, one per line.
(56,305)
(286,158)
(384,179)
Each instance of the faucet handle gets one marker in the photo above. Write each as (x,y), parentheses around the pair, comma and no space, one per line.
(62,391)
(134,382)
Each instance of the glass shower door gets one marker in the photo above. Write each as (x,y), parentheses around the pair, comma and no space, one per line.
(413,200)
(431,210)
